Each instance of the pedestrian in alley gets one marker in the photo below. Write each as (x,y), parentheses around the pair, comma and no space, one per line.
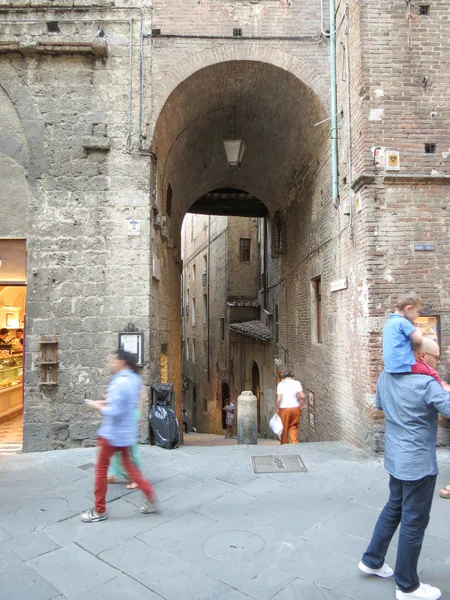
(229,410)
(118,433)
(411,403)
(185,420)
(290,401)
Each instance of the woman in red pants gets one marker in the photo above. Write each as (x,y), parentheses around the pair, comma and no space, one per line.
(290,400)
(118,433)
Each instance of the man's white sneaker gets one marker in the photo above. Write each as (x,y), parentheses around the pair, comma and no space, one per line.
(423,592)
(384,571)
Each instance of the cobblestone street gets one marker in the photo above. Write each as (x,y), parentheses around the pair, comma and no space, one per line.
(223,533)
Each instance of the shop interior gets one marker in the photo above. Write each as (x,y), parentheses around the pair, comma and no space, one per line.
(12,322)
(12,341)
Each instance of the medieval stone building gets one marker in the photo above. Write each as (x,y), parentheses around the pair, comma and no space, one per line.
(113,115)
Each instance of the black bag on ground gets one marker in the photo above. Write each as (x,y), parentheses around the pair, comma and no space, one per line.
(164,427)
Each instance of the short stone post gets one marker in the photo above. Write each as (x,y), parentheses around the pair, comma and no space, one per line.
(247,419)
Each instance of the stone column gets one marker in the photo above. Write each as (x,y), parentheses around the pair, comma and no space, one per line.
(247,419)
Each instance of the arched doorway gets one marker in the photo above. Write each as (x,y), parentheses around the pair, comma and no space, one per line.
(256,391)
(225,396)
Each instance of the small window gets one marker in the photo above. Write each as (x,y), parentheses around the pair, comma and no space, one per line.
(430,148)
(187,348)
(205,405)
(192,228)
(277,324)
(237,32)
(205,309)
(244,249)
(53,27)
(169,201)
(424,10)
(194,274)
(193,351)
(193,313)
(222,329)
(317,310)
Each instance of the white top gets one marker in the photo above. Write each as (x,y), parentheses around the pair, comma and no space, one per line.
(289,388)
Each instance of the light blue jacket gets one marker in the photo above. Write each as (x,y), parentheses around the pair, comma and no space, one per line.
(411,404)
(119,425)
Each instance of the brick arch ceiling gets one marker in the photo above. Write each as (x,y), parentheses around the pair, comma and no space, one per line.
(270,108)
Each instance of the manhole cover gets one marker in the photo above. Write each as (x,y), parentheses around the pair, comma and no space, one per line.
(233,545)
(278,464)
(86,467)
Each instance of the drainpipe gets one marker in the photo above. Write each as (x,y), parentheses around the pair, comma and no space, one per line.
(207,299)
(334,131)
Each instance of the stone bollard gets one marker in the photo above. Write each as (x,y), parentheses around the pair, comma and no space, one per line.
(247,425)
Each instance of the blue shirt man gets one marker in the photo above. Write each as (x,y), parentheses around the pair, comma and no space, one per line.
(411,404)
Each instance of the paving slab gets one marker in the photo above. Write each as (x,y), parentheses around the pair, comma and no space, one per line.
(32,545)
(304,590)
(166,575)
(25,583)
(72,570)
(120,588)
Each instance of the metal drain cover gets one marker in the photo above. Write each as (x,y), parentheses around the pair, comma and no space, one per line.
(278,464)
(86,467)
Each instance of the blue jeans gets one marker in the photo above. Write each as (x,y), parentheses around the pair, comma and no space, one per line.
(409,504)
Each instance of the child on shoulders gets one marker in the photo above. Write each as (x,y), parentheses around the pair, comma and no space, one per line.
(400,333)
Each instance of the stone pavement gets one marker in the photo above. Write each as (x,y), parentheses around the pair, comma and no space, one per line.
(224,532)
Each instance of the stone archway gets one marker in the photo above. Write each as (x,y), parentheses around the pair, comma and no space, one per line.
(278,116)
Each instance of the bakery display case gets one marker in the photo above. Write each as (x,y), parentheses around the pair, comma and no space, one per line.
(11,382)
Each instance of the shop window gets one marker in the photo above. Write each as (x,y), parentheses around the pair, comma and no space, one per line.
(244,249)
(317,310)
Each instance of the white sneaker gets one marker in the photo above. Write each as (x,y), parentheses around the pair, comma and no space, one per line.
(423,592)
(384,571)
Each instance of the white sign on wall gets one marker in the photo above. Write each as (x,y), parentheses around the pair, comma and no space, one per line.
(339,284)
(134,227)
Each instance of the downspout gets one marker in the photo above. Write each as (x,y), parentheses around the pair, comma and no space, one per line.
(334,131)
(207,299)
(265,265)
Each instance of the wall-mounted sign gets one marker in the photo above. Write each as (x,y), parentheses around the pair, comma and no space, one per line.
(134,227)
(339,284)
(392,160)
(133,342)
(424,247)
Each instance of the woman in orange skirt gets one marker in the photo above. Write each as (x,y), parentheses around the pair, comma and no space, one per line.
(290,401)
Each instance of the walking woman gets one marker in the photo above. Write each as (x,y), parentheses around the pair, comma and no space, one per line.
(290,401)
(117,472)
(118,432)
